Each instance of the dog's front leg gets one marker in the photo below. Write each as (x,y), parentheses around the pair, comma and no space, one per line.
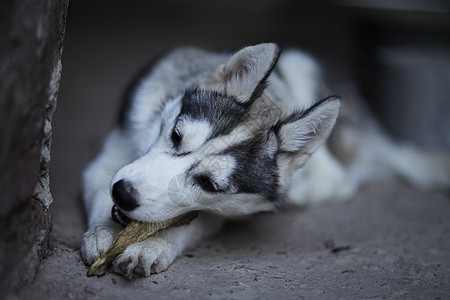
(157,253)
(102,230)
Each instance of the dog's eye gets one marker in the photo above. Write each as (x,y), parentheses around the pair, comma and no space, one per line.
(176,138)
(206,183)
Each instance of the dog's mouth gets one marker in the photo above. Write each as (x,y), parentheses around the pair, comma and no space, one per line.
(123,220)
(119,217)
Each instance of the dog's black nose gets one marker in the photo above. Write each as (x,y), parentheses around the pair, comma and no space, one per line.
(123,195)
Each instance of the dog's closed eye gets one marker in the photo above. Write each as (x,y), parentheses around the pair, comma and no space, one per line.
(206,184)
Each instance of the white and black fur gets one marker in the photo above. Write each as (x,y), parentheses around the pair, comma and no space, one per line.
(230,135)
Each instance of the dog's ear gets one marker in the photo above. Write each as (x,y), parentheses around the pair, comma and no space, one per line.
(300,134)
(244,75)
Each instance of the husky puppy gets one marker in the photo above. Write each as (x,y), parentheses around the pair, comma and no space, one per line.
(231,135)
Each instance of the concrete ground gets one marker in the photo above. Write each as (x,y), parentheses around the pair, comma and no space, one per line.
(391,241)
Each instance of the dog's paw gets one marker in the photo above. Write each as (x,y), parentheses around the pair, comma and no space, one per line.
(144,258)
(97,241)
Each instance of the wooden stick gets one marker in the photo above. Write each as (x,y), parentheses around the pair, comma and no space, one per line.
(135,232)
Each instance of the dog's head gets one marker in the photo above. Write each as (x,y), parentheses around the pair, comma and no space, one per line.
(225,145)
